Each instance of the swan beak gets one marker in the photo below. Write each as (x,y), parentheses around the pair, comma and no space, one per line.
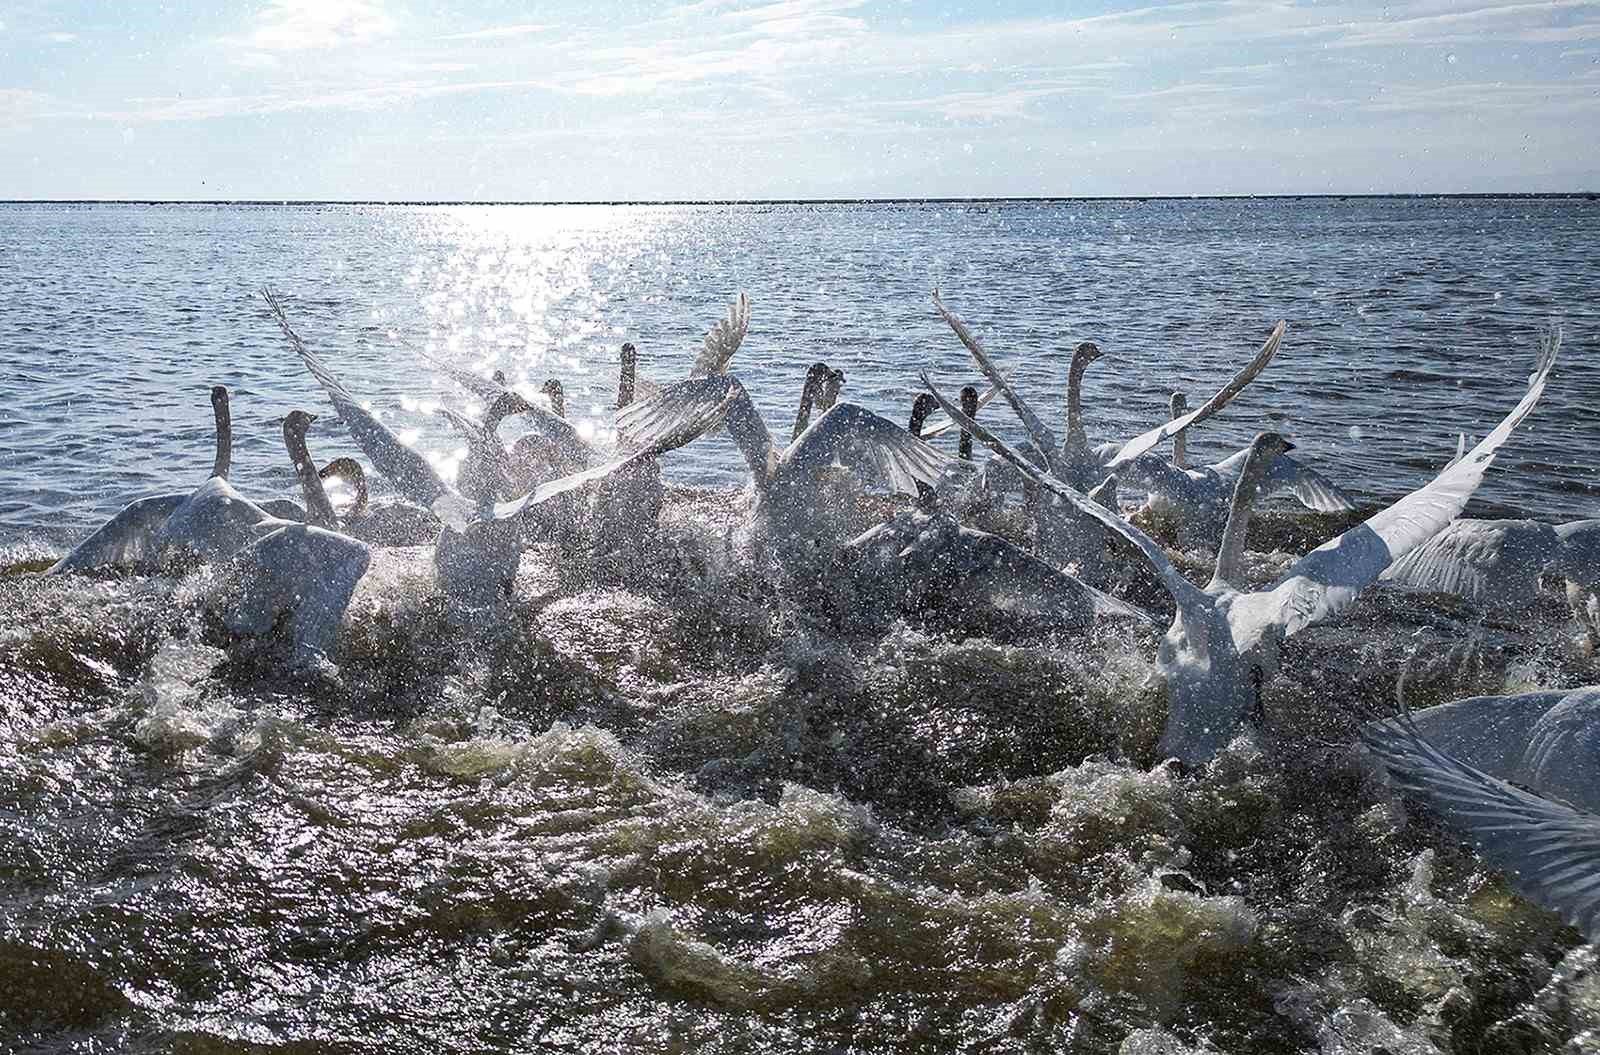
(1287,446)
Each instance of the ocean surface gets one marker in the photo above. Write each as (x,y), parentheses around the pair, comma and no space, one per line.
(653,812)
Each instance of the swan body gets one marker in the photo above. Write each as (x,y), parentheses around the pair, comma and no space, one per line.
(1550,850)
(299,579)
(1223,644)
(180,528)
(380,523)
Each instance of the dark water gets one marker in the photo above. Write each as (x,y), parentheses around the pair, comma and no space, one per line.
(648,811)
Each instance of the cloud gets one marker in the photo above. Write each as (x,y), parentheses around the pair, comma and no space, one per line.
(502,32)
(302,25)
(61,38)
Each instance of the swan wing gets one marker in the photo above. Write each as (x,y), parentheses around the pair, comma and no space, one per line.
(723,339)
(1478,560)
(686,431)
(406,468)
(302,573)
(1165,431)
(1185,594)
(683,405)
(1549,851)
(1327,580)
(1311,488)
(879,452)
(939,427)
(1038,432)
(127,540)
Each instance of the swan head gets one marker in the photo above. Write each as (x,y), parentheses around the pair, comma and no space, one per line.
(1268,445)
(297,423)
(219,396)
(1179,406)
(1086,353)
(630,355)
(499,377)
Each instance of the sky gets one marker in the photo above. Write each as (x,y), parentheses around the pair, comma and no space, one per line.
(746,99)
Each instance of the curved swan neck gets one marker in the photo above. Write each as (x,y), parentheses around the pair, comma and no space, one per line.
(808,397)
(1257,463)
(319,510)
(350,471)
(219,407)
(626,380)
(1180,448)
(1085,354)
(921,407)
(505,405)
(558,397)
(969,407)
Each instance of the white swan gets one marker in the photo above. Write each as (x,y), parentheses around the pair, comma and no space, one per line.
(1196,498)
(480,543)
(1550,851)
(179,528)
(1223,643)
(790,481)
(1063,535)
(297,579)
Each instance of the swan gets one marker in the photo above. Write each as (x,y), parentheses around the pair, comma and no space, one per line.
(1196,498)
(1223,644)
(790,482)
(1063,535)
(178,528)
(830,391)
(297,579)
(557,396)
(1497,563)
(386,524)
(479,545)
(1549,850)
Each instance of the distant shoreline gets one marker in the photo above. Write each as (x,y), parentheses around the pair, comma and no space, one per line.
(1041,200)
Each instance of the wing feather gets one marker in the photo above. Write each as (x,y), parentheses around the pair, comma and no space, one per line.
(1550,851)
(1165,431)
(127,540)
(877,450)
(1038,432)
(723,340)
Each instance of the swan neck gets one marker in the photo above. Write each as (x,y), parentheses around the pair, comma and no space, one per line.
(1076,437)
(350,471)
(969,407)
(224,459)
(808,398)
(919,417)
(319,510)
(626,380)
(1230,552)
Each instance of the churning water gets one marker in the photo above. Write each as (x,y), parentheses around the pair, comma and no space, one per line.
(670,807)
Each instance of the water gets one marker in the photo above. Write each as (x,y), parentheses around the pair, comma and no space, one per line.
(691,815)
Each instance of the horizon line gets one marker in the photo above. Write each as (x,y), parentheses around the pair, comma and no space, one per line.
(1590,195)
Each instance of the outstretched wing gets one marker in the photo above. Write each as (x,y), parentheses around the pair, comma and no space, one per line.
(1185,594)
(1311,488)
(683,405)
(406,468)
(1549,851)
(879,452)
(688,430)
(1327,580)
(482,387)
(1475,559)
(939,428)
(1145,441)
(1038,432)
(723,339)
(127,540)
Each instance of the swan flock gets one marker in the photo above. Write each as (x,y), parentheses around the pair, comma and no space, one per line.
(859,517)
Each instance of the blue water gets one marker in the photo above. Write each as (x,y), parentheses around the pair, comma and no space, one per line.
(1410,320)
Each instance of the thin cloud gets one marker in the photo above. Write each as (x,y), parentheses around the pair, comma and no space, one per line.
(502,32)
(305,25)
